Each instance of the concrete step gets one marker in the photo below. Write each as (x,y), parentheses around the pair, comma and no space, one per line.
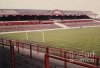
(61,25)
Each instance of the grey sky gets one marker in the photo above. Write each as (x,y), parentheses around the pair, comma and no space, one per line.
(92,5)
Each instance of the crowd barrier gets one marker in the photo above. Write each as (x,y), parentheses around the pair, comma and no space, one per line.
(51,52)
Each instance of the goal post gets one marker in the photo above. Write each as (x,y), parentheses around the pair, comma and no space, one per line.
(26,35)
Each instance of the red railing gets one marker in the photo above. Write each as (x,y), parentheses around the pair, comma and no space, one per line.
(79,21)
(10,23)
(51,52)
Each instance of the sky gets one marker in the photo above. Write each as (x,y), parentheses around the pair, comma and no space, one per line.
(88,5)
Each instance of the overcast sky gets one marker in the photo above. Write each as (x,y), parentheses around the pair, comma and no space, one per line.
(92,5)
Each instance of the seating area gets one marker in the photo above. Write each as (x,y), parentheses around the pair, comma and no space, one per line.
(36,19)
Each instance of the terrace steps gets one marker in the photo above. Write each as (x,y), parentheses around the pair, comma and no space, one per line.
(61,25)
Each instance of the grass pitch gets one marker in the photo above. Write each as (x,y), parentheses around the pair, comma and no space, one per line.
(87,39)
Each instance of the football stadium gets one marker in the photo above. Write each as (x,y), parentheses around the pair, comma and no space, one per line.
(73,32)
(47,34)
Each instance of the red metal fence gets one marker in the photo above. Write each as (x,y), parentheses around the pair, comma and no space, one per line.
(11,23)
(51,52)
